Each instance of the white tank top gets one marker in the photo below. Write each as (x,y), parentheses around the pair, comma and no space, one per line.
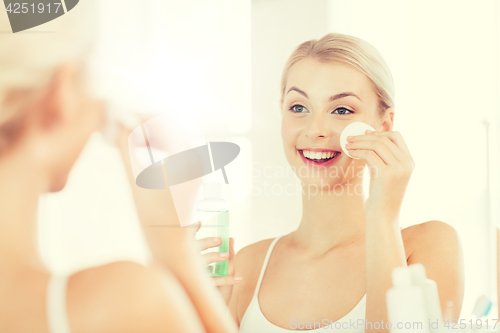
(57,316)
(254,320)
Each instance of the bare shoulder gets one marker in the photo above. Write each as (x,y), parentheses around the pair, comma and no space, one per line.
(248,264)
(128,297)
(437,247)
(249,260)
(430,237)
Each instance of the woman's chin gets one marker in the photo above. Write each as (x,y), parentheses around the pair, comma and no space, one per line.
(322,182)
(58,184)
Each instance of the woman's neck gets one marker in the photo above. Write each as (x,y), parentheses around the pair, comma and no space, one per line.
(331,219)
(20,187)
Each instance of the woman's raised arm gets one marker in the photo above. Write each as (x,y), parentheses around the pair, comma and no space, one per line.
(174,247)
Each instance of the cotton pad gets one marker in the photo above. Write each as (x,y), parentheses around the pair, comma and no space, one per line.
(356,128)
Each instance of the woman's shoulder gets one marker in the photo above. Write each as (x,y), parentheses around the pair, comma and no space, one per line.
(429,228)
(248,264)
(119,296)
(257,247)
(248,261)
(252,255)
(429,236)
(436,245)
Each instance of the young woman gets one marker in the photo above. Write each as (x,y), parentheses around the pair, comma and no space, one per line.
(337,265)
(46,116)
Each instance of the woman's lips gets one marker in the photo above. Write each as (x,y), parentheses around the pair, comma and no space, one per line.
(316,164)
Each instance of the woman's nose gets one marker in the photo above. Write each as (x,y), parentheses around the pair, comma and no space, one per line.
(320,127)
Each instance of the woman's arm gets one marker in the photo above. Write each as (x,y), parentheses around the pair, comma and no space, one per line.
(174,247)
(384,252)
(390,165)
(438,248)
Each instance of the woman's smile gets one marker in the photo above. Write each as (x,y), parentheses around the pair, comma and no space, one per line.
(319,157)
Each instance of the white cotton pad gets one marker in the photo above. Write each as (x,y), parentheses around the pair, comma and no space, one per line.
(356,128)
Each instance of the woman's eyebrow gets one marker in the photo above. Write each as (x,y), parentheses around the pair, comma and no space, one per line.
(342,95)
(331,99)
(297,90)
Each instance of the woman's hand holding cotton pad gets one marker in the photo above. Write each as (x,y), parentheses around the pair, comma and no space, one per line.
(356,128)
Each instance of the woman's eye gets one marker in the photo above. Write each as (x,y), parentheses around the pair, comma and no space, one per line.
(297,108)
(342,111)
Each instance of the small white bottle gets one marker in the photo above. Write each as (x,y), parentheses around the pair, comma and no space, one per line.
(405,304)
(431,296)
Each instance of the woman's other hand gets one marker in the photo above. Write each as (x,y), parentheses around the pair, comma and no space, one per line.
(390,164)
(223,283)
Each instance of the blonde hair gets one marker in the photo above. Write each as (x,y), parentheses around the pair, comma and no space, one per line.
(349,50)
(28,61)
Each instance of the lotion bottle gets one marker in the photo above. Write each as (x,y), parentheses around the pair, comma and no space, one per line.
(431,296)
(213,212)
(406,304)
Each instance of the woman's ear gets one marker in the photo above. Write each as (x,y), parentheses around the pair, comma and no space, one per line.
(387,120)
(62,96)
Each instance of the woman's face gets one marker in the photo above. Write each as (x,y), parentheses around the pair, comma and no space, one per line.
(75,114)
(87,118)
(320,100)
